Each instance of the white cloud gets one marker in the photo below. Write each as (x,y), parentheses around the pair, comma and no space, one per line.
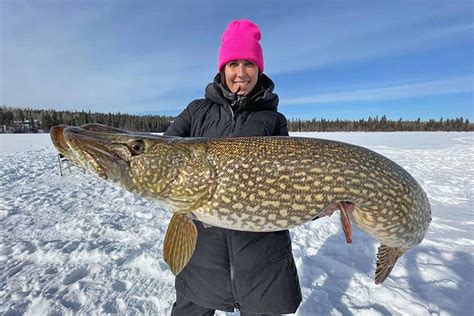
(118,56)
(341,36)
(86,58)
(459,84)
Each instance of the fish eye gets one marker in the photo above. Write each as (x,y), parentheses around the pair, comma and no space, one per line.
(136,147)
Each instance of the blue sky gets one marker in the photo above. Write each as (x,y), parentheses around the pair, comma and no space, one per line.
(331,59)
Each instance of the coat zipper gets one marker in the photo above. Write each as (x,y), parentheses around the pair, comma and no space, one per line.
(232,272)
(231,131)
(229,244)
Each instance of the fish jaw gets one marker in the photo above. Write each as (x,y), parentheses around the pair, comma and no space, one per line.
(57,137)
(157,169)
(100,154)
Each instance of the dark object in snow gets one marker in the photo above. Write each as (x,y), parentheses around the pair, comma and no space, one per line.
(64,162)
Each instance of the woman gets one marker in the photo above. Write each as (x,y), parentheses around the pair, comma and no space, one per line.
(253,272)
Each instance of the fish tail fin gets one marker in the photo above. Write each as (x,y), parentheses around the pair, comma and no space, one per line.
(386,259)
(180,242)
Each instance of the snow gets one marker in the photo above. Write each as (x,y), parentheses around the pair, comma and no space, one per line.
(77,244)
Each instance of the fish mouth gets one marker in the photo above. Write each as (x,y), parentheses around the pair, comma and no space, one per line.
(57,138)
(96,150)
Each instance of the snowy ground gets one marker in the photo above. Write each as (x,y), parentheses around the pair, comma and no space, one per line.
(75,244)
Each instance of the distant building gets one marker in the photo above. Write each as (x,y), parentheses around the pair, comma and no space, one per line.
(28,126)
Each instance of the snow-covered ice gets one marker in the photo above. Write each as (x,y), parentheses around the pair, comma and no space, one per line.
(77,244)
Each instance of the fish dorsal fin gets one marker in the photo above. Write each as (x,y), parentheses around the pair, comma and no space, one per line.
(180,241)
(386,259)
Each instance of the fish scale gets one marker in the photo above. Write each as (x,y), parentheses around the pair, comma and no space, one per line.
(302,178)
(257,184)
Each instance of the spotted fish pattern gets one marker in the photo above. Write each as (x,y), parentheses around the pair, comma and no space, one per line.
(274,183)
(259,184)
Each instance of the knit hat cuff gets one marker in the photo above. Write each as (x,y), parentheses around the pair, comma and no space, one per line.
(241,48)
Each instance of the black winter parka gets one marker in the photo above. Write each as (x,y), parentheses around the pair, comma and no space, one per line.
(254,272)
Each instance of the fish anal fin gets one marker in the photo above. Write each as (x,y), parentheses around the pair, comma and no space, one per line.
(344,209)
(386,259)
(180,242)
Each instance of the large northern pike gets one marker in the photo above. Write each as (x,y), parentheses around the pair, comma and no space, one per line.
(257,184)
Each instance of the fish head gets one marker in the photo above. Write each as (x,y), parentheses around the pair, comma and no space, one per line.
(57,137)
(141,164)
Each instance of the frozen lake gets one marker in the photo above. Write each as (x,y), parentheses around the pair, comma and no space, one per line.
(76,244)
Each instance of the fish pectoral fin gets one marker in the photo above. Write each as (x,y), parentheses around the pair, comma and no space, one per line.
(344,209)
(386,259)
(180,242)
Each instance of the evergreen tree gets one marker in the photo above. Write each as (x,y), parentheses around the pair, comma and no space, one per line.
(31,121)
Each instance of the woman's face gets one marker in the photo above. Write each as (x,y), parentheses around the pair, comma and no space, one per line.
(241,76)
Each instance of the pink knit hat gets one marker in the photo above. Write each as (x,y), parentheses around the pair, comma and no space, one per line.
(240,41)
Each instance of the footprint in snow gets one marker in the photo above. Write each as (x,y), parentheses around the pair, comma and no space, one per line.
(75,276)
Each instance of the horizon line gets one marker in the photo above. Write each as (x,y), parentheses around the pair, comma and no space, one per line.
(287,117)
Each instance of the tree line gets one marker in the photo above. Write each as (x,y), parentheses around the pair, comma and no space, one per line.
(379,125)
(27,120)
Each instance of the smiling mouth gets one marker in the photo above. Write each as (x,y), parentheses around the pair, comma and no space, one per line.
(242,86)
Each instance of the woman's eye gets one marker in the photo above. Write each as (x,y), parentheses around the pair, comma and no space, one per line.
(233,64)
(249,64)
